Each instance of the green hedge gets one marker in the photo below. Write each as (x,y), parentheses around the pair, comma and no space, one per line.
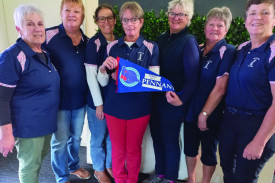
(157,23)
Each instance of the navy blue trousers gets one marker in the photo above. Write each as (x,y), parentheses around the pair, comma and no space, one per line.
(208,139)
(236,132)
(165,126)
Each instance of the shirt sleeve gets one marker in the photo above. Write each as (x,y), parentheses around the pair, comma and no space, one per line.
(91,53)
(91,71)
(10,70)
(103,78)
(5,99)
(191,68)
(228,56)
(155,56)
(271,71)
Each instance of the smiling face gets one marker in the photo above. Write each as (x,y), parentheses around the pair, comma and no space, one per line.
(32,30)
(106,27)
(260,19)
(176,24)
(72,16)
(131,29)
(215,30)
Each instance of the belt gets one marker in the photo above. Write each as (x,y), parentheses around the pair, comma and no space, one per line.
(234,110)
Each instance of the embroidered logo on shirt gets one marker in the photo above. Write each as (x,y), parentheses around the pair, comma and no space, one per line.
(140,56)
(254,60)
(129,76)
(208,62)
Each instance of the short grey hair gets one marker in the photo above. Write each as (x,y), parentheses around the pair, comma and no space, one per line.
(251,2)
(188,7)
(134,7)
(22,11)
(222,13)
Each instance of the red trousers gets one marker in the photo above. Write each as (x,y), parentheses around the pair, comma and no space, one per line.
(126,137)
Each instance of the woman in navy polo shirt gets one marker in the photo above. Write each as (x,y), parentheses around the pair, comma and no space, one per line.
(179,63)
(247,139)
(201,123)
(127,114)
(96,47)
(29,95)
(67,46)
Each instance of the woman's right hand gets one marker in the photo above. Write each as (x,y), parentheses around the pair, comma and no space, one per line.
(202,122)
(114,75)
(6,140)
(99,112)
(110,63)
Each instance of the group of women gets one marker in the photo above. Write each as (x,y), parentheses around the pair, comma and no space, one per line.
(222,94)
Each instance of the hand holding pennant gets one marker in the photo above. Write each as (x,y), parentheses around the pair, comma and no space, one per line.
(134,78)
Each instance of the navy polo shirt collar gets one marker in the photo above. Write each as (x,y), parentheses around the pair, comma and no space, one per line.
(176,35)
(62,33)
(138,42)
(263,47)
(102,39)
(266,45)
(217,46)
(215,49)
(27,49)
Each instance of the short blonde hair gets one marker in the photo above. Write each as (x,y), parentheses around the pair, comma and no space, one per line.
(134,7)
(22,11)
(222,13)
(188,7)
(77,2)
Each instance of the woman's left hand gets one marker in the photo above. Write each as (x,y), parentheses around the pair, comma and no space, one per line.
(173,98)
(253,151)
(202,122)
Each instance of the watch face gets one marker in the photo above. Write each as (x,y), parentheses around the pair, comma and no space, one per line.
(204,113)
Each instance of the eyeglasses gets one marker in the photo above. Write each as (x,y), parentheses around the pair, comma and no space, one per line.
(103,19)
(179,15)
(132,20)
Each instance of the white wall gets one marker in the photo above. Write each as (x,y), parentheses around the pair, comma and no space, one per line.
(3,28)
(51,11)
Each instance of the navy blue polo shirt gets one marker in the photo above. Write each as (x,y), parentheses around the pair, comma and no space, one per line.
(214,64)
(95,52)
(251,76)
(35,100)
(179,63)
(69,62)
(137,104)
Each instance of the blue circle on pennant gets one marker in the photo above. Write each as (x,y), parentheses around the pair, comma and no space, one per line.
(129,76)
